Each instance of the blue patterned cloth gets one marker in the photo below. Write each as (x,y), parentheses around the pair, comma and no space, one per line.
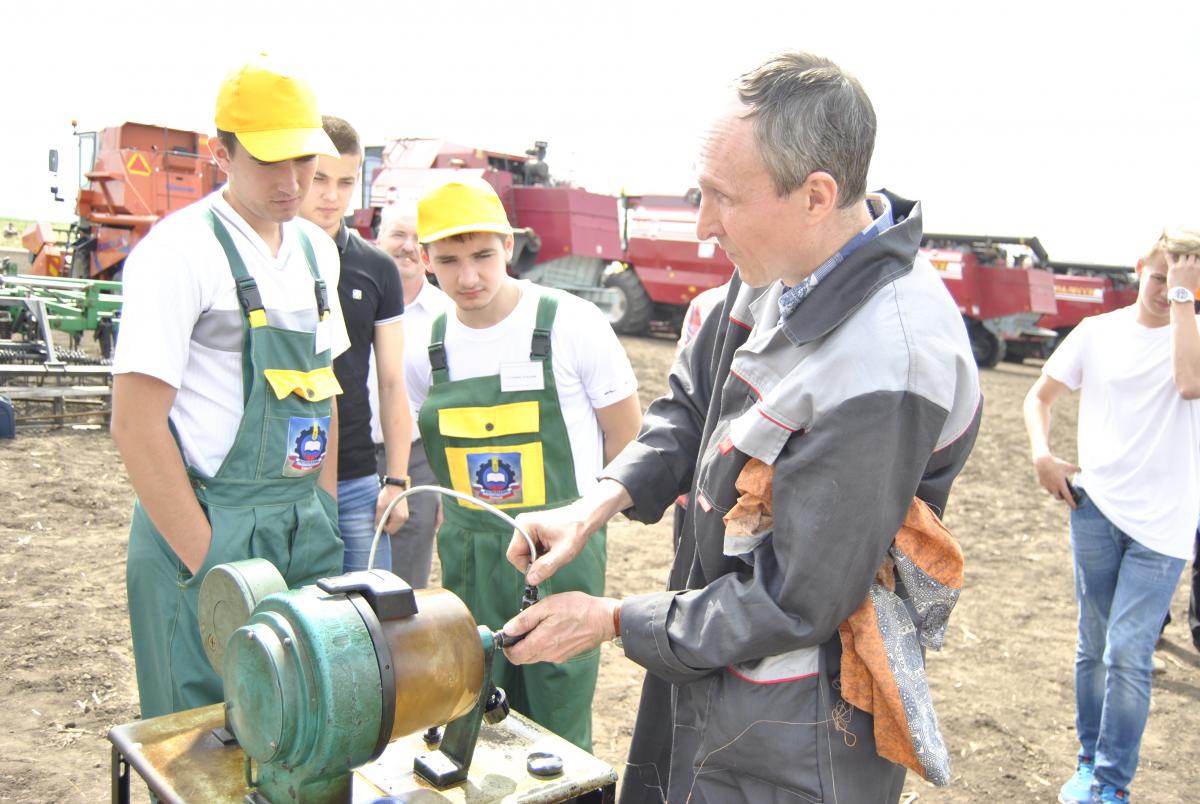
(881,215)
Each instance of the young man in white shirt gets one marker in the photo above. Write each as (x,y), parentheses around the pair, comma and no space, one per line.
(1135,500)
(412,544)
(524,394)
(223,394)
(373,309)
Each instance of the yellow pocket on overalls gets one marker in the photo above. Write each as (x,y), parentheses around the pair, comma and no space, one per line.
(505,475)
(312,385)
(300,405)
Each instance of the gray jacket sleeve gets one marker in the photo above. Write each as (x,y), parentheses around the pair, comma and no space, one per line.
(658,466)
(841,492)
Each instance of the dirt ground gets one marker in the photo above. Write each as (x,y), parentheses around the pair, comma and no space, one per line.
(1003,683)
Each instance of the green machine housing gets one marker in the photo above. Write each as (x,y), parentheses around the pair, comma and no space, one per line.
(318,680)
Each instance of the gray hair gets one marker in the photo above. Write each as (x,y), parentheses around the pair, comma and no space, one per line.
(398,209)
(809,115)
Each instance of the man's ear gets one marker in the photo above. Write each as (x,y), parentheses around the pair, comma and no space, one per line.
(424,256)
(820,195)
(1138,268)
(219,153)
(509,246)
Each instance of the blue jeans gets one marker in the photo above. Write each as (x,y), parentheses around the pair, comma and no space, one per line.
(1124,590)
(356,518)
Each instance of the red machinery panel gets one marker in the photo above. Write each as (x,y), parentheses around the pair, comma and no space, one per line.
(984,292)
(672,263)
(569,221)
(1081,296)
(1005,291)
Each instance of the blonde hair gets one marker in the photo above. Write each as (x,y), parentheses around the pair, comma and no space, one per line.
(1176,241)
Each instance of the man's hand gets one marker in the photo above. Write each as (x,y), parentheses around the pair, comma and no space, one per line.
(1183,270)
(1053,474)
(558,534)
(399,514)
(141,404)
(560,627)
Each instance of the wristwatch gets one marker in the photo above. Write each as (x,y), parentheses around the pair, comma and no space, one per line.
(1181,294)
(402,482)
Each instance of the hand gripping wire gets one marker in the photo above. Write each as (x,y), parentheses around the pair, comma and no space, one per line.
(531,593)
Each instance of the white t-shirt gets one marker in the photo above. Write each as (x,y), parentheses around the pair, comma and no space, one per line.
(591,370)
(181,322)
(418,316)
(1139,439)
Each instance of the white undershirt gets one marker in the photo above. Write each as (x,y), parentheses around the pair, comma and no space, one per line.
(591,369)
(1139,440)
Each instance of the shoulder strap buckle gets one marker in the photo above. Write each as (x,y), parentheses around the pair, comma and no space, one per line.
(250,300)
(539,344)
(437,356)
(322,294)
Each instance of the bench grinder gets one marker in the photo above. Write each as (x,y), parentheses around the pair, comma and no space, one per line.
(319,680)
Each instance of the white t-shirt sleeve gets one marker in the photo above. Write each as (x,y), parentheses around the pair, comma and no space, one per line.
(1066,363)
(603,366)
(163,297)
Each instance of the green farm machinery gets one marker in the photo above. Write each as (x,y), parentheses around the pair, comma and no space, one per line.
(33,307)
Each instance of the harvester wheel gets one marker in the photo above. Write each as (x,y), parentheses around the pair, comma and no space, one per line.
(630,315)
(987,347)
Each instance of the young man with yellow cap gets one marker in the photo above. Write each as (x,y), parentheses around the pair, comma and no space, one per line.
(524,394)
(223,394)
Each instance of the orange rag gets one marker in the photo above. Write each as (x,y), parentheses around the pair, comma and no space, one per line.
(867,681)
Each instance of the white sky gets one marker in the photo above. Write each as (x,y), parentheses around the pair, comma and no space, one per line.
(1075,122)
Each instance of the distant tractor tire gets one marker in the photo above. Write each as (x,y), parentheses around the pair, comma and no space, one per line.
(630,313)
(987,347)
(81,263)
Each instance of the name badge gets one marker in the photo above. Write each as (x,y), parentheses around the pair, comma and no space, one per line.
(321,342)
(523,376)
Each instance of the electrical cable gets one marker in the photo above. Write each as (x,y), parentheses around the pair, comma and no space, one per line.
(449,493)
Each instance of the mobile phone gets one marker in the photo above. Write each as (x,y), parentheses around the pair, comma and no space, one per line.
(1076,494)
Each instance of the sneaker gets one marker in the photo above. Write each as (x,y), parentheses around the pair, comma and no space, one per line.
(1078,789)
(1108,794)
(1158,665)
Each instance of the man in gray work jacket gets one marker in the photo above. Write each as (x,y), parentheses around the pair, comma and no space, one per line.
(839,360)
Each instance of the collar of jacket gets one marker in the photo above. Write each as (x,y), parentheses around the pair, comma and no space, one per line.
(342,237)
(868,268)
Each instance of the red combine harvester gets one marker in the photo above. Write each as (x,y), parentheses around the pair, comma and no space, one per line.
(636,257)
(130,177)
(1083,289)
(1001,292)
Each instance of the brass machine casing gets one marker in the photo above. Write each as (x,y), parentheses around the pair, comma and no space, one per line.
(437,662)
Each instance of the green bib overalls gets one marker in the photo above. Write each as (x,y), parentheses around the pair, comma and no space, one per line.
(263,501)
(510,448)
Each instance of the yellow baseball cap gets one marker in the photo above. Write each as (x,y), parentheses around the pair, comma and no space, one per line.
(458,207)
(274,115)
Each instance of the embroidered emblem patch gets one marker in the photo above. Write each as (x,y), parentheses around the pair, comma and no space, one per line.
(496,476)
(307,440)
